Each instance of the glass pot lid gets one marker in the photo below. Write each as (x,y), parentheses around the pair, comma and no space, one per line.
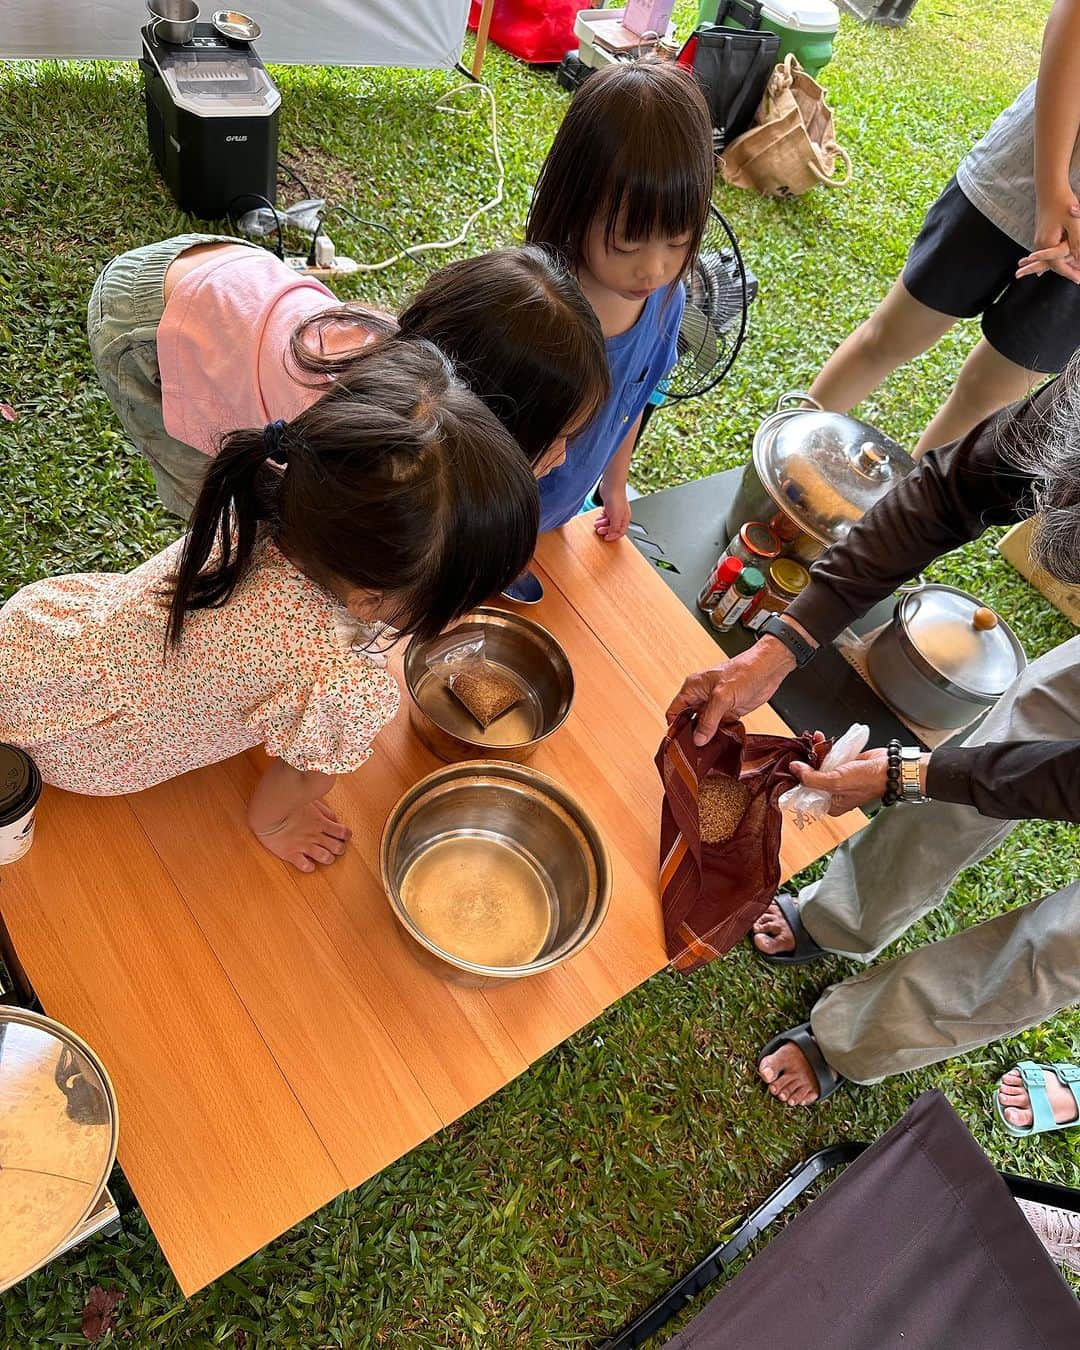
(964,642)
(826,470)
(57,1138)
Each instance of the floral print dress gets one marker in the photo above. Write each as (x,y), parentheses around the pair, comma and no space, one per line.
(88,689)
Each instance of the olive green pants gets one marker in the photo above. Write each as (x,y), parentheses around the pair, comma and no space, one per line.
(122,319)
(990,980)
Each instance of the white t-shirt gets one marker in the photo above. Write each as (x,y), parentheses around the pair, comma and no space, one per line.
(997,175)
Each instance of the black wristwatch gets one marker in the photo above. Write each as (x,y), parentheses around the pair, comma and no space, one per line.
(792,639)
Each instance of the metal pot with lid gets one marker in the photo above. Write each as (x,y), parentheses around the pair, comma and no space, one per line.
(821,471)
(945,657)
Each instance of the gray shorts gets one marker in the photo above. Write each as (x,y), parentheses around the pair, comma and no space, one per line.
(122,320)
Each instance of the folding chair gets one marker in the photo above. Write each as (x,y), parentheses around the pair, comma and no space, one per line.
(918,1245)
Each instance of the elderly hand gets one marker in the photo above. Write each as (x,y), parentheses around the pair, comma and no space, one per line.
(854,784)
(734,689)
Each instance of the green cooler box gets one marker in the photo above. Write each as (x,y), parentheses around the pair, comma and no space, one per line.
(805,27)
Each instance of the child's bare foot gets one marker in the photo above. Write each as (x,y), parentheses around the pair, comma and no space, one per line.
(309,835)
(1016,1104)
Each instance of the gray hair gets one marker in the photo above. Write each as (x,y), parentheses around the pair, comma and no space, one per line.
(1052,456)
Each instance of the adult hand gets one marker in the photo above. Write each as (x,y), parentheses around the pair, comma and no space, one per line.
(734,689)
(614,520)
(1057,239)
(854,784)
(309,834)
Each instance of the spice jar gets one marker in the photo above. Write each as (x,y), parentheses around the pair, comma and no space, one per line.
(755,545)
(740,596)
(720,578)
(786,579)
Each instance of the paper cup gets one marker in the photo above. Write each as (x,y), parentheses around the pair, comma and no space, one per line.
(20,788)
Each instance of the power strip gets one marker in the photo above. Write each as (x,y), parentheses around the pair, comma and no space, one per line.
(340,266)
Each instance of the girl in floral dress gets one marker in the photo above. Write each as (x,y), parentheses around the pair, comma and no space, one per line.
(396,501)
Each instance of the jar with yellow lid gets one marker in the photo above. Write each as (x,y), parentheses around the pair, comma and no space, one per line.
(785,580)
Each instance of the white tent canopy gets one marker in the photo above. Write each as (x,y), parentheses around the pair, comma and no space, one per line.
(295,32)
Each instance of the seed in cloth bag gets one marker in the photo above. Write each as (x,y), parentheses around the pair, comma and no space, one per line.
(720,833)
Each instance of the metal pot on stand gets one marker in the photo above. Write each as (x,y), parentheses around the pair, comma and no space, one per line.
(945,658)
(818,471)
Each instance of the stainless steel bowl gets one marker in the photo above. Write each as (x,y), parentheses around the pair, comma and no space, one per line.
(174,20)
(494,872)
(237,27)
(522,651)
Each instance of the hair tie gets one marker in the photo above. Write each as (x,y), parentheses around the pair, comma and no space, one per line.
(272,442)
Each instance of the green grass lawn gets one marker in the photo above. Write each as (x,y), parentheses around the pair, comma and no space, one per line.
(554,1210)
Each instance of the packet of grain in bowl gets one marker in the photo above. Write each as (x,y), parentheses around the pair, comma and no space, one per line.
(460,662)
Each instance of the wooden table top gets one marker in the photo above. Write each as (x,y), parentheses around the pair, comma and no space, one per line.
(271,1038)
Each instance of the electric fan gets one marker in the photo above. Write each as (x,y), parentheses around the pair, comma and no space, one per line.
(719,291)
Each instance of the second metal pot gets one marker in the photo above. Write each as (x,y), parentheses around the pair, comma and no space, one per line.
(944,658)
(821,470)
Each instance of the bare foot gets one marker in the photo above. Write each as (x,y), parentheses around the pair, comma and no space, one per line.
(789,1076)
(772,932)
(1016,1104)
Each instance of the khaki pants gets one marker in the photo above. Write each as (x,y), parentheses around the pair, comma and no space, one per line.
(122,319)
(989,981)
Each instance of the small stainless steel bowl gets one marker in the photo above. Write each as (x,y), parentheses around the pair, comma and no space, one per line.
(489,859)
(235,26)
(519,649)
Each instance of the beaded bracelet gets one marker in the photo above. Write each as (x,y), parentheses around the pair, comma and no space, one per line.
(892,774)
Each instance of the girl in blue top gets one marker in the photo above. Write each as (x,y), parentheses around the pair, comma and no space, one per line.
(623,197)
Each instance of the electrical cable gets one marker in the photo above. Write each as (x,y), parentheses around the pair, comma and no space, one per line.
(243,196)
(413,249)
(287,168)
(370,224)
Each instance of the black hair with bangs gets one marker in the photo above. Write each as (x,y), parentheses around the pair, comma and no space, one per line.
(636,143)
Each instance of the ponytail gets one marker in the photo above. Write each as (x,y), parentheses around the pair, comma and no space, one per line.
(237,494)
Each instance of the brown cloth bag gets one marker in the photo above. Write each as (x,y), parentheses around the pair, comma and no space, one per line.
(712,893)
(792,145)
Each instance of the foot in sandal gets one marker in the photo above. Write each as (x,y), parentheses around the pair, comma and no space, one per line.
(794,1070)
(779,936)
(1034,1098)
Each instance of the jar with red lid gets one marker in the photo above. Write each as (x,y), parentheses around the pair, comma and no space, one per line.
(756,545)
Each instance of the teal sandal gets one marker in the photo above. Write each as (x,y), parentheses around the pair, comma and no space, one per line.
(1034,1079)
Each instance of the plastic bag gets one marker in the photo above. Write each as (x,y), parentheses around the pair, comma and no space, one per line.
(809,804)
(459,660)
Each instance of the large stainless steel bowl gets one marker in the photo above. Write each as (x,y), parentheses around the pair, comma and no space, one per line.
(494,871)
(522,651)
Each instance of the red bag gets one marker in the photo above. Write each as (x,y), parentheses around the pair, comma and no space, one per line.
(539,31)
(713,893)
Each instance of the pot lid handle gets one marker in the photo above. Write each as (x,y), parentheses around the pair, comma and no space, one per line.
(984,618)
(871,460)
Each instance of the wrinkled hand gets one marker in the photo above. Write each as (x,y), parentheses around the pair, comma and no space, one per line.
(614,519)
(854,784)
(311,834)
(1057,240)
(734,689)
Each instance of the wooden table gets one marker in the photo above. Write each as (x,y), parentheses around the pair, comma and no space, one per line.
(271,1039)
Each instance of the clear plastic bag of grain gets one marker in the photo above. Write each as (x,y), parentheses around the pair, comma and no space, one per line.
(459,660)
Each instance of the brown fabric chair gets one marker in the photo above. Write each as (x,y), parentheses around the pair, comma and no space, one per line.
(919,1245)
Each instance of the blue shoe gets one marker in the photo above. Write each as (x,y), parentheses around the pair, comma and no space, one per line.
(527,590)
